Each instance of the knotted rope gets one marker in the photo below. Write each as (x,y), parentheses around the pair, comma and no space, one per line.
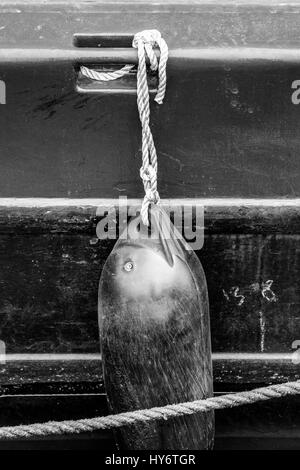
(145,43)
(150,415)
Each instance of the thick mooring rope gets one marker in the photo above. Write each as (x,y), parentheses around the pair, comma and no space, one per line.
(150,415)
(145,43)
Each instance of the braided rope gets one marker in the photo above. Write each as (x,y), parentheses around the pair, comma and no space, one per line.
(105,76)
(150,415)
(144,42)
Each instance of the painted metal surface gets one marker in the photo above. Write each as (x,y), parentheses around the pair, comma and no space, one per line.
(228,127)
(49,292)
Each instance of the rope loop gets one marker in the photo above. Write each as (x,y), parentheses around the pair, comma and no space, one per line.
(105,76)
(147,40)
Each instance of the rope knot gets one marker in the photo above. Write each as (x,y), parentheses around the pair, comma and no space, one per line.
(150,36)
(152,196)
(145,41)
(148,174)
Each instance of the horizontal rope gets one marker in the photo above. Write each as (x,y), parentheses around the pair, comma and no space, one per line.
(153,414)
(106,76)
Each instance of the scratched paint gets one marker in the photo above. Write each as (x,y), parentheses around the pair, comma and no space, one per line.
(262,325)
(49,284)
(267,292)
(262,289)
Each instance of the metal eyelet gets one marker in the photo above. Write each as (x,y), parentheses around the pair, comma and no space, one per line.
(128,266)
